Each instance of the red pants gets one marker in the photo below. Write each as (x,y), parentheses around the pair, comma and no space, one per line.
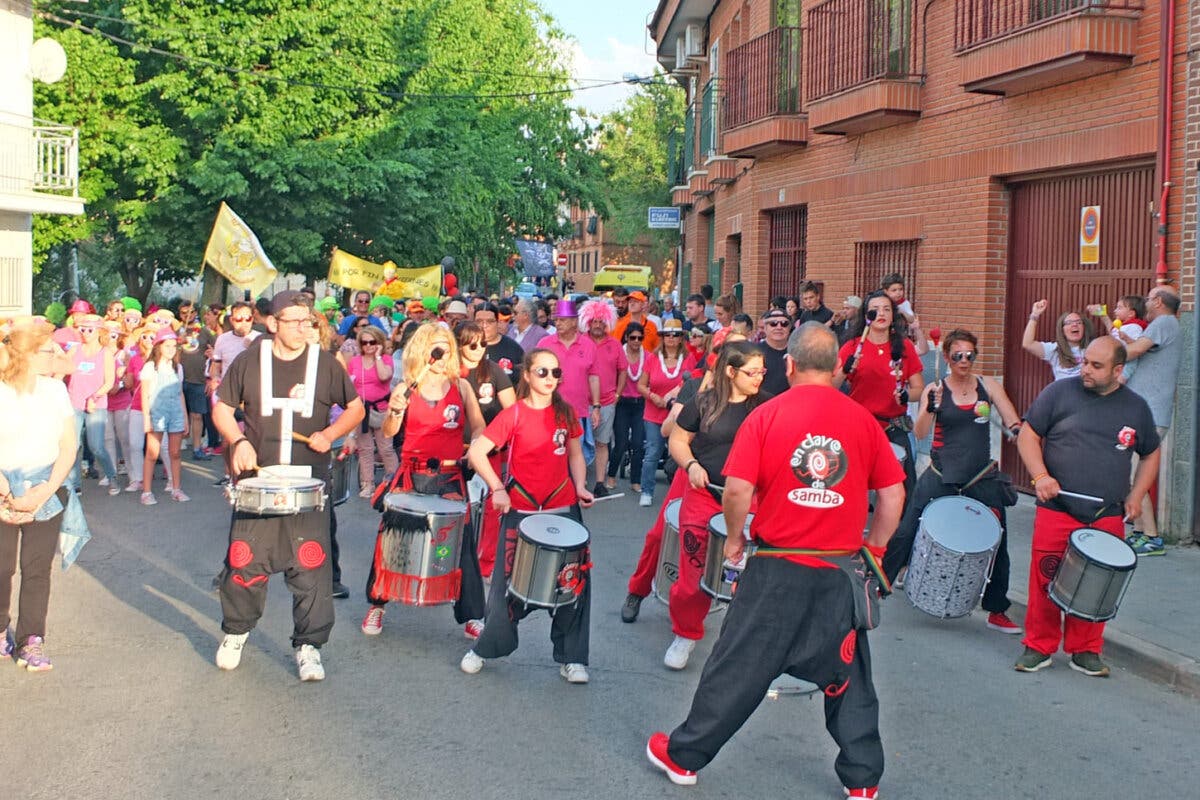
(489,533)
(689,604)
(1045,623)
(639,581)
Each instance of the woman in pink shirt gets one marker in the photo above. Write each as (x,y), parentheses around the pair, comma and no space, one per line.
(93,376)
(137,351)
(661,379)
(116,436)
(372,375)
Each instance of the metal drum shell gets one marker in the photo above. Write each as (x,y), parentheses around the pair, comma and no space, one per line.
(719,579)
(277,497)
(668,553)
(1087,587)
(952,556)
(429,551)
(539,564)
(340,472)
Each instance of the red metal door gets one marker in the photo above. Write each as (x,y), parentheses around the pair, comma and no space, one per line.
(1043,263)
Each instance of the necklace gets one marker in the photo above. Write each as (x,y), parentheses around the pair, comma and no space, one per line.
(678,366)
(633,376)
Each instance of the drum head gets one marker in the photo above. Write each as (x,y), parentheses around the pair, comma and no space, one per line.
(672,513)
(548,530)
(414,503)
(269,483)
(476,489)
(716,525)
(961,524)
(1104,548)
(898,451)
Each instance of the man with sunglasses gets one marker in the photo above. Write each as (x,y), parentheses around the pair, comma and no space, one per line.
(581,377)
(959,410)
(228,346)
(778,326)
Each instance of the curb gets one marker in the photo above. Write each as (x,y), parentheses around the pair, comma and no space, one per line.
(1145,659)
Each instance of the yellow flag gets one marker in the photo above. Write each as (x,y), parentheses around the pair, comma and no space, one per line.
(420,281)
(353,272)
(234,251)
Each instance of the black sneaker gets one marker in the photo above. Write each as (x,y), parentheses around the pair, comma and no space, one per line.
(600,490)
(629,611)
(223,480)
(340,591)
(1089,664)
(1031,661)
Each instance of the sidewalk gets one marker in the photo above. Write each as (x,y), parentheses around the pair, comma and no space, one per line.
(1156,632)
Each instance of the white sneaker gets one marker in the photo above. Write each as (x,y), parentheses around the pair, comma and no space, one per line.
(471,663)
(114,490)
(134,486)
(646,500)
(678,653)
(229,654)
(122,469)
(574,673)
(103,481)
(308,663)
(372,624)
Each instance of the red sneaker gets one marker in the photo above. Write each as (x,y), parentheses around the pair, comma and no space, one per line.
(1001,622)
(656,751)
(871,793)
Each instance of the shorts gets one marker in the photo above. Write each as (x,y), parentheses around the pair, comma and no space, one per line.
(167,418)
(196,398)
(604,431)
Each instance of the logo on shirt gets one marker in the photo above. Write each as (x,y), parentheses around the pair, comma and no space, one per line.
(451,415)
(506,365)
(819,463)
(560,441)
(296,392)
(487,393)
(1126,438)
(983,412)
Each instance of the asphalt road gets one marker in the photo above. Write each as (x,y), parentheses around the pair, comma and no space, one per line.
(135,707)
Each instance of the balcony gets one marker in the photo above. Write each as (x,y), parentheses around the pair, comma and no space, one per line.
(762,113)
(39,166)
(1014,46)
(861,65)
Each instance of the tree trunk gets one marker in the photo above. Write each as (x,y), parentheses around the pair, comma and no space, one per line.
(139,280)
(215,287)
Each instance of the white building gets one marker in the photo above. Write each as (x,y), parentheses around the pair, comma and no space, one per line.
(39,161)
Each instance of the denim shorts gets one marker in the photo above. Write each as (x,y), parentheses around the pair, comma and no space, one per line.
(166,418)
(196,398)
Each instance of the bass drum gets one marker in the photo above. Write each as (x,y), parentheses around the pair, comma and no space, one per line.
(952,556)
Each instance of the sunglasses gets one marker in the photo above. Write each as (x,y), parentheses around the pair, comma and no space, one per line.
(968,355)
(778,323)
(673,333)
(546,372)
(241,319)
(633,338)
(365,342)
(474,346)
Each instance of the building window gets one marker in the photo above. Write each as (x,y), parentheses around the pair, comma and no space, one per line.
(874,260)
(787,256)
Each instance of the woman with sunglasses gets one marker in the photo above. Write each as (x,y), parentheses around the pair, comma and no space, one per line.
(116,434)
(1065,354)
(137,350)
(94,373)
(629,432)
(164,413)
(700,441)
(435,410)
(494,391)
(546,470)
(959,409)
(371,372)
(660,381)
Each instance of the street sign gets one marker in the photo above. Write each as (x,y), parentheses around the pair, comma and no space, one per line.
(561,260)
(1089,235)
(666,217)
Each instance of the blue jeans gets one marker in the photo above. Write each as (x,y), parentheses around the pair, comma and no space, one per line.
(655,442)
(93,425)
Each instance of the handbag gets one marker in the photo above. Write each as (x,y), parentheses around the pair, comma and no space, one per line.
(375,417)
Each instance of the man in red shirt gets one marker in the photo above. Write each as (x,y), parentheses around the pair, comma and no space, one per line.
(809,456)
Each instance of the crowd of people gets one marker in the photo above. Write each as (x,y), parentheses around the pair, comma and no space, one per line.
(781,424)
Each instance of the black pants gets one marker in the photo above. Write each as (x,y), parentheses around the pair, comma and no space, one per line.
(296,545)
(899,436)
(334,551)
(628,433)
(37,543)
(930,487)
(570,626)
(787,618)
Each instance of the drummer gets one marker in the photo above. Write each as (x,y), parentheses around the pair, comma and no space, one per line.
(546,470)
(495,392)
(1080,436)
(434,410)
(959,410)
(699,443)
(301,384)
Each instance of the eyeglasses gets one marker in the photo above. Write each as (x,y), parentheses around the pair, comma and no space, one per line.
(1067,322)
(968,355)
(485,320)
(634,338)
(362,301)
(305,322)
(752,373)
(777,323)
(544,372)
(672,333)
(241,319)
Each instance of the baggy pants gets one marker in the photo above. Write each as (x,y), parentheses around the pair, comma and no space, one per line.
(689,604)
(296,545)
(793,619)
(643,574)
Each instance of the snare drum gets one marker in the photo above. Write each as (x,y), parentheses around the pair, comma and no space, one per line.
(952,556)
(421,542)
(550,558)
(1093,575)
(898,452)
(278,496)
(720,576)
(668,553)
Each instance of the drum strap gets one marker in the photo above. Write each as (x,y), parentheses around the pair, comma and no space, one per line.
(513,485)
(869,559)
(287,406)
(983,473)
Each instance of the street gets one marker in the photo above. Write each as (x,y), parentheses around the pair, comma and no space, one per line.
(135,708)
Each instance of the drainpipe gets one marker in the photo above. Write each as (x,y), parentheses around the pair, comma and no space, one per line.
(1195,509)
(1166,96)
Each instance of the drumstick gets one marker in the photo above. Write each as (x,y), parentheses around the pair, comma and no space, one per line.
(607,497)
(300,437)
(435,355)
(1079,496)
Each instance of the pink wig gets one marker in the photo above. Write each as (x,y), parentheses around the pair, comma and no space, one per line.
(597,310)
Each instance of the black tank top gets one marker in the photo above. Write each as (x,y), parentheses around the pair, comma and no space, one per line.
(962,438)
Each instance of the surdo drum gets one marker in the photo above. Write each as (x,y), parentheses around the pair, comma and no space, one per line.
(952,556)
(720,576)
(421,540)
(278,496)
(340,470)
(550,559)
(668,554)
(1093,575)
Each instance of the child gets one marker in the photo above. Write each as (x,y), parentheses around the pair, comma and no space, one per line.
(893,286)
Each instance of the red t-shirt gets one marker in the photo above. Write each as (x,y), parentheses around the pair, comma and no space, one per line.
(873,381)
(136,362)
(661,383)
(434,431)
(537,454)
(812,454)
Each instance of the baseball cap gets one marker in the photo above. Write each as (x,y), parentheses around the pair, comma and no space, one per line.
(287,299)
(640,296)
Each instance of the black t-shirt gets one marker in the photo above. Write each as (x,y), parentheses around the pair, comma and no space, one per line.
(193,353)
(488,391)
(508,354)
(775,381)
(821,314)
(711,447)
(1089,441)
(240,387)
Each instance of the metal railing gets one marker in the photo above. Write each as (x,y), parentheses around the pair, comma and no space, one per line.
(676,175)
(709,129)
(37,156)
(762,78)
(689,140)
(977,21)
(852,42)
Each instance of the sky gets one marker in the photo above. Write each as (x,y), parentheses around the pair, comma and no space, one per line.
(610,40)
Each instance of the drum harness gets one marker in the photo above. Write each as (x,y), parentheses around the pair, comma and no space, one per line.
(288,407)
(514,486)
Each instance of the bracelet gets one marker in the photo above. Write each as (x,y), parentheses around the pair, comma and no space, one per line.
(1032,318)
(233,446)
(1033,481)
(687,467)
(501,489)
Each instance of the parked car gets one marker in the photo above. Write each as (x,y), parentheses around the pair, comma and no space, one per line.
(526,291)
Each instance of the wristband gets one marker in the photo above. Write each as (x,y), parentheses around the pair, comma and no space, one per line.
(595,405)
(687,467)
(500,489)
(1033,481)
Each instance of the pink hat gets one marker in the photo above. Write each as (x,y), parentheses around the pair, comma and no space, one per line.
(597,310)
(165,335)
(565,308)
(82,307)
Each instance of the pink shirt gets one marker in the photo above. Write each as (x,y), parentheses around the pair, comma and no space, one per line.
(633,371)
(229,346)
(366,381)
(610,360)
(578,362)
(136,362)
(87,378)
(661,383)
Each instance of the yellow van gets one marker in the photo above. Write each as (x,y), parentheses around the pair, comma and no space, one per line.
(631,276)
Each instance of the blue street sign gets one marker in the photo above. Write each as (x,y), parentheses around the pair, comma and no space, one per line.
(666,218)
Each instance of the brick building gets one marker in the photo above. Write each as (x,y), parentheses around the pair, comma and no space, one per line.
(955,141)
(590,247)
